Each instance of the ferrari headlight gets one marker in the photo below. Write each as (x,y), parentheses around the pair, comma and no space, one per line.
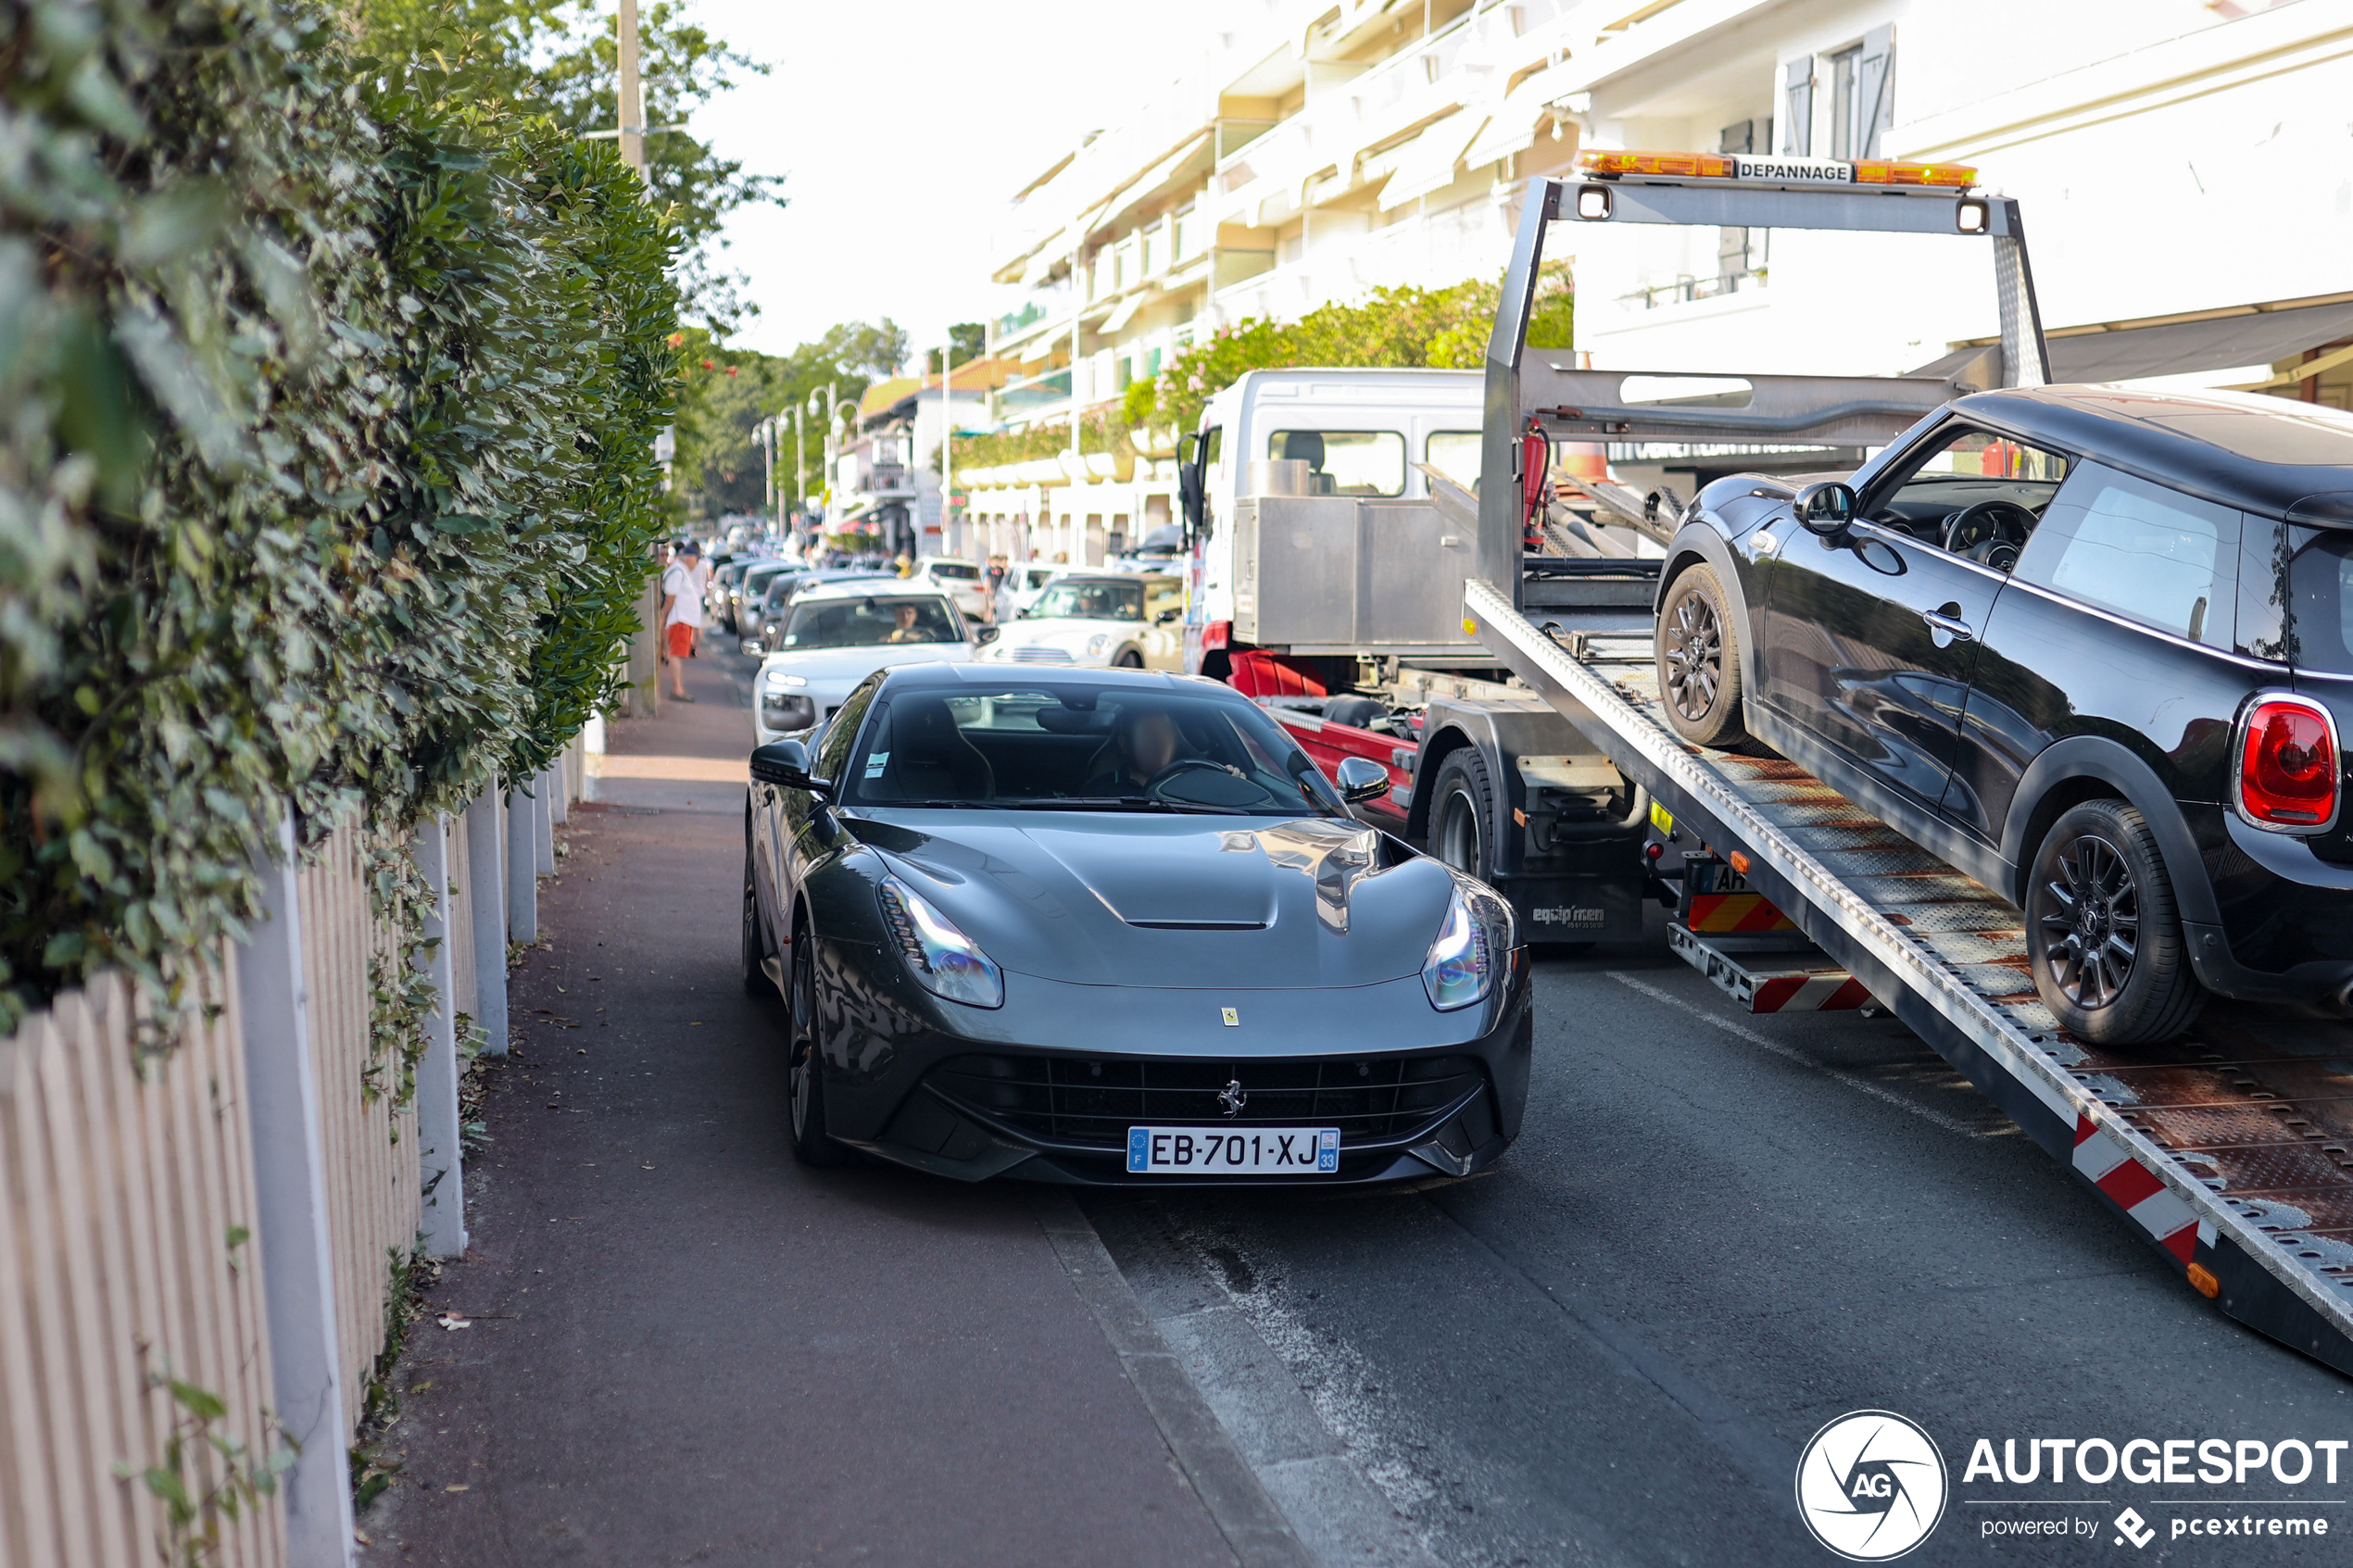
(945,961)
(1097,643)
(1461,965)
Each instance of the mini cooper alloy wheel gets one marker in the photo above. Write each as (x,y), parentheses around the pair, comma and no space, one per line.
(2091,928)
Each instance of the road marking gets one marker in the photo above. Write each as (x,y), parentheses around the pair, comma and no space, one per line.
(1730,1026)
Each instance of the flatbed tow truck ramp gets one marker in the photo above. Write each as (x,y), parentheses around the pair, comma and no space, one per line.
(2230,1151)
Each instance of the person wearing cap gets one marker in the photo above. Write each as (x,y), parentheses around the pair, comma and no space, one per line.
(681,613)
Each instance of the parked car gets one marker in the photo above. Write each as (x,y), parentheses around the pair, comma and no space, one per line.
(1115,928)
(1025,581)
(785,586)
(961,581)
(1127,620)
(838,634)
(2094,646)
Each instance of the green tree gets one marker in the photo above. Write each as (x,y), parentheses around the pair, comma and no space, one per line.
(559,58)
(970,340)
(1439,329)
(725,392)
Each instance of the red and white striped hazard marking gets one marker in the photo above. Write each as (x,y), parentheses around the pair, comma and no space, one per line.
(1808,993)
(2108,1166)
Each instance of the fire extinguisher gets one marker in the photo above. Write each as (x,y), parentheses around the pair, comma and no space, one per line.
(1535,461)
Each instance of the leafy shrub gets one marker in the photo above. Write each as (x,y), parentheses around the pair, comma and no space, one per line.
(327,480)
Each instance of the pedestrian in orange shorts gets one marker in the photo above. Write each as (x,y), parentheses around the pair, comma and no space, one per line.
(681,614)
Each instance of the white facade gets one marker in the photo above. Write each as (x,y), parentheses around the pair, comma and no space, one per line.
(2173,158)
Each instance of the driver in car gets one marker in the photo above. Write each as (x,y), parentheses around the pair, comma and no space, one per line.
(1148,742)
(907,631)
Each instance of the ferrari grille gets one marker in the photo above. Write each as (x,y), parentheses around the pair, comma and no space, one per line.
(1093,1101)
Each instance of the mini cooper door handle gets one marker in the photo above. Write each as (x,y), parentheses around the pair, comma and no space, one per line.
(1952,626)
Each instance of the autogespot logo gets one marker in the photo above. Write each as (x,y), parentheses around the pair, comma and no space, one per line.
(1871,1486)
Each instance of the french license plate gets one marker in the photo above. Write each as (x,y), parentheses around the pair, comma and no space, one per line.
(1240,1151)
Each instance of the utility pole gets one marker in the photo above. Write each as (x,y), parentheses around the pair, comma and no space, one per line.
(633,108)
(947,435)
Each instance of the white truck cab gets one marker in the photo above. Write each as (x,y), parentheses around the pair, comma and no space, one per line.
(1361,433)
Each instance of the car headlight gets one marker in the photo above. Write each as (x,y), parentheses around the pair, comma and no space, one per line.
(1097,643)
(946,963)
(785,711)
(782,678)
(1461,966)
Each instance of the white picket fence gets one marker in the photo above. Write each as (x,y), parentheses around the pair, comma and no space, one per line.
(223,1209)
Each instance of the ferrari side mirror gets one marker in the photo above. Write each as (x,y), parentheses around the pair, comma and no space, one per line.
(1825,508)
(1362,779)
(786,762)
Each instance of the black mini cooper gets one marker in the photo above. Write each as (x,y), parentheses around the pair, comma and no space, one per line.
(2094,646)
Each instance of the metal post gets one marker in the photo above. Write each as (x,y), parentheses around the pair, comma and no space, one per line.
(1500,523)
(290,1191)
(559,802)
(522,867)
(799,460)
(486,890)
(2025,360)
(543,825)
(444,1217)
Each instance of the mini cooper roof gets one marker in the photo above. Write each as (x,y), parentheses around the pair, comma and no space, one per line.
(2267,454)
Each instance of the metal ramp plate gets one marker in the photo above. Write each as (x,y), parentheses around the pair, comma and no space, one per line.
(1770,976)
(2230,1151)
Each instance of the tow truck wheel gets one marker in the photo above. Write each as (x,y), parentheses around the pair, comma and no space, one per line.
(1462,818)
(1699,661)
(2103,932)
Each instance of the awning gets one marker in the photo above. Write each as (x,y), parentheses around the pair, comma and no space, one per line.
(1514,126)
(1154,177)
(1128,308)
(2178,348)
(1427,162)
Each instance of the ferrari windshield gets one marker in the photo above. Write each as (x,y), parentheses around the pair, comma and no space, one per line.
(870,622)
(1047,748)
(1090,598)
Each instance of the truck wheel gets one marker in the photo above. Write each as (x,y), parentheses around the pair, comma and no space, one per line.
(1462,815)
(1699,661)
(2102,931)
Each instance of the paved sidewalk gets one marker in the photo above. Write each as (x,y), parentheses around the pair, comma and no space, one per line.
(686,1348)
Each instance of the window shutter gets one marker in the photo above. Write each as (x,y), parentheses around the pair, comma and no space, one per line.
(1874,91)
(1797,101)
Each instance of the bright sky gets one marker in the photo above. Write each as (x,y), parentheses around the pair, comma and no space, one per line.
(902,129)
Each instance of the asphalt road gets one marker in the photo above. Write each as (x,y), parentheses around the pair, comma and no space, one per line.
(1716,1235)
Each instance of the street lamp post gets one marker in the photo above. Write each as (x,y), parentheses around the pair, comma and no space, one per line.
(947,437)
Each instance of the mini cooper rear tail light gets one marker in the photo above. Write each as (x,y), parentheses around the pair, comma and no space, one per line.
(2290,767)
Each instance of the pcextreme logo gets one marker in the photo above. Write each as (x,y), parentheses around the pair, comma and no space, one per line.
(1871,1486)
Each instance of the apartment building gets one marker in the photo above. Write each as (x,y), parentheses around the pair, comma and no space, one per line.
(2186,169)
(1304,151)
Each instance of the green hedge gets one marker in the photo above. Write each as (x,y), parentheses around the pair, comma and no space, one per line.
(326,479)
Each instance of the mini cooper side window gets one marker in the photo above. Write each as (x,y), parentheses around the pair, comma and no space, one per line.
(2158,556)
(2319,583)
(1960,467)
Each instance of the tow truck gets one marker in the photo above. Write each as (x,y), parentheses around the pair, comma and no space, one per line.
(2225,1151)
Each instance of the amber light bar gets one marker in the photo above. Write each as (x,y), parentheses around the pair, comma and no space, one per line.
(1801,170)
